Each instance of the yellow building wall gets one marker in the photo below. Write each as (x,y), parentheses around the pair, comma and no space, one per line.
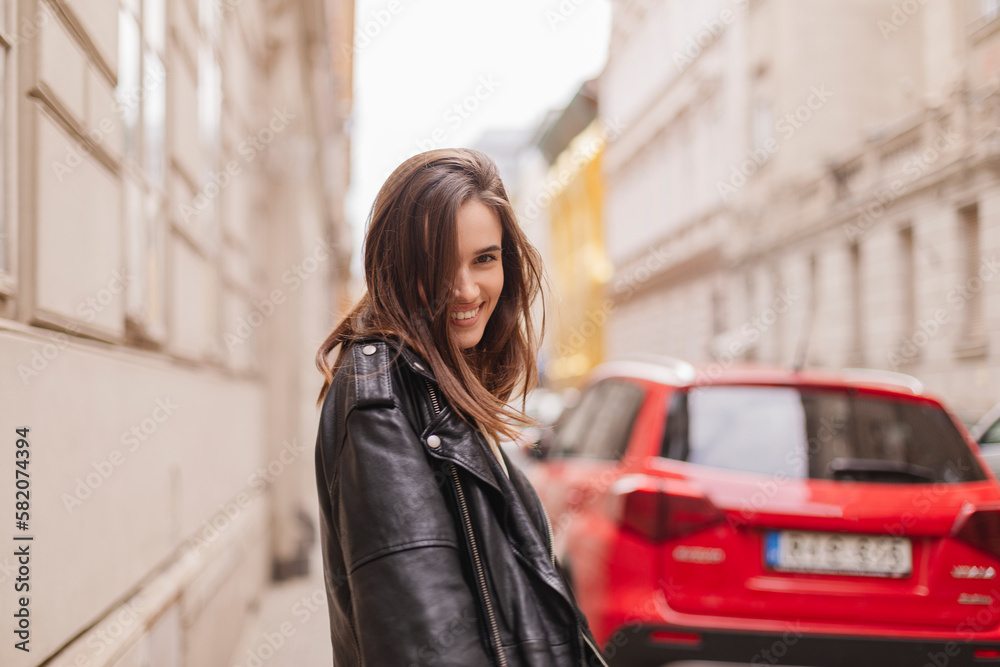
(578,265)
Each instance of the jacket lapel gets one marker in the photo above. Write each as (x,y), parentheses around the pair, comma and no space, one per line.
(526,527)
(457,442)
(466,447)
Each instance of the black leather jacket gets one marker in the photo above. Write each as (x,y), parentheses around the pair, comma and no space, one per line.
(432,556)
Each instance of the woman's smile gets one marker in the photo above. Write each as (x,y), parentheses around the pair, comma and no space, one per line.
(466,318)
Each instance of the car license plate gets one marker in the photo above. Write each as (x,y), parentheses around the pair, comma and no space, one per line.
(838,553)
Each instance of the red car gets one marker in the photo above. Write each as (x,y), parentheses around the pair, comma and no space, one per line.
(768,516)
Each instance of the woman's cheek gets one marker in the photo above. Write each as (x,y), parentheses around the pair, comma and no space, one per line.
(499,283)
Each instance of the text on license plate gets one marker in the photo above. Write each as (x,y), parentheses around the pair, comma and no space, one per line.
(837,553)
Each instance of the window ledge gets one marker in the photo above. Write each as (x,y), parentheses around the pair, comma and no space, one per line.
(139,334)
(972,346)
(983,27)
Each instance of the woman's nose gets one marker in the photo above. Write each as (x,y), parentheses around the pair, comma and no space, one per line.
(465,290)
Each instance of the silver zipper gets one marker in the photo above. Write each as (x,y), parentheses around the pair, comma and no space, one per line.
(548,526)
(594,648)
(434,399)
(479,568)
(480,573)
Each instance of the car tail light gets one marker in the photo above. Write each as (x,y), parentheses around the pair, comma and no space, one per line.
(661,509)
(986,654)
(979,527)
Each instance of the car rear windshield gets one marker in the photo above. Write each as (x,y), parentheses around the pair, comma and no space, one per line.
(817,433)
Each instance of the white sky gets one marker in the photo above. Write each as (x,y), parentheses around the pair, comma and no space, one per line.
(433,54)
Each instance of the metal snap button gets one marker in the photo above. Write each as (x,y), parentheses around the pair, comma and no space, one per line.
(433,441)
(368,349)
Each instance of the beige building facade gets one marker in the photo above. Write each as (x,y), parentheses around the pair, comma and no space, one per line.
(172,253)
(814,180)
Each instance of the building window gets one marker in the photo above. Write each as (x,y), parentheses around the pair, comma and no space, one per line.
(155,102)
(751,313)
(686,167)
(777,287)
(813,283)
(209,106)
(971,260)
(856,355)
(761,113)
(142,102)
(718,311)
(908,282)
(811,314)
(209,94)
(973,337)
(6,233)
(763,129)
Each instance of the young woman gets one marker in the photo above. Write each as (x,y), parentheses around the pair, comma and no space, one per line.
(436,549)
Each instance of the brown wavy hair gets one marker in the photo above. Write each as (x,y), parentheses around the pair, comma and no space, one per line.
(411,251)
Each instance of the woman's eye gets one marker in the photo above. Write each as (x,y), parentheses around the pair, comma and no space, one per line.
(486,257)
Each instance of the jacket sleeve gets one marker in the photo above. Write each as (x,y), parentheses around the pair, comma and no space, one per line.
(411,602)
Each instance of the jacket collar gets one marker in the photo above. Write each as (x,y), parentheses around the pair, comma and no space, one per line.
(416,364)
(413,361)
(459,443)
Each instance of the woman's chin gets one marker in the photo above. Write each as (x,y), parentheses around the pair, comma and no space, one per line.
(468,338)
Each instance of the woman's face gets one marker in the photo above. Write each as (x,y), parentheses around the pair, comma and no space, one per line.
(480,273)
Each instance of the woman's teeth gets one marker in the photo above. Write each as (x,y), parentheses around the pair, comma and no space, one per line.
(466,314)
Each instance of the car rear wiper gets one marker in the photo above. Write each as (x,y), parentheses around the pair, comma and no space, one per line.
(863,469)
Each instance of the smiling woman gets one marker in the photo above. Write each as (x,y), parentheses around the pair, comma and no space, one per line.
(430,535)
(451,274)
(479,279)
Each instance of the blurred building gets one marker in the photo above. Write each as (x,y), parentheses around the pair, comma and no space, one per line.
(559,199)
(505,146)
(814,180)
(172,253)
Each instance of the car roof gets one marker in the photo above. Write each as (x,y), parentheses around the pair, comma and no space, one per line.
(676,373)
